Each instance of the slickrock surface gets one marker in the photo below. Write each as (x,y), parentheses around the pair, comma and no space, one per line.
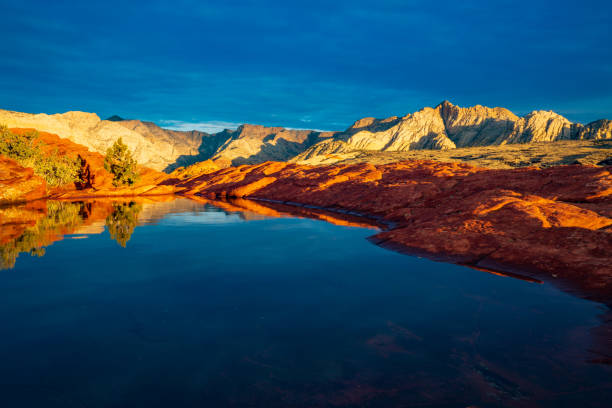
(18,184)
(555,223)
(204,167)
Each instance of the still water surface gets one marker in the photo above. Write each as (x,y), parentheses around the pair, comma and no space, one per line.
(186,304)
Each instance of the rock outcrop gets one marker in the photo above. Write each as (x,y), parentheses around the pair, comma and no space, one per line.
(252,144)
(555,223)
(18,183)
(448,126)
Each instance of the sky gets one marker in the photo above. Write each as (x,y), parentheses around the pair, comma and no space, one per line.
(303,64)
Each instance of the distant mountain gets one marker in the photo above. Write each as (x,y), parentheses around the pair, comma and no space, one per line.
(444,127)
(252,144)
(448,126)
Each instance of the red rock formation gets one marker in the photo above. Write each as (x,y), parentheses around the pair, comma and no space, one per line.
(554,223)
(19,184)
(98,181)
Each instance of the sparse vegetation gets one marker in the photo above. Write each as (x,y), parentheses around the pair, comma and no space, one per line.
(121,164)
(27,150)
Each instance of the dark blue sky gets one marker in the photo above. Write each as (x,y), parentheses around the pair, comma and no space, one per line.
(312,64)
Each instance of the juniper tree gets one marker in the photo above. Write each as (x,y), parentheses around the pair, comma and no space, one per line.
(121,164)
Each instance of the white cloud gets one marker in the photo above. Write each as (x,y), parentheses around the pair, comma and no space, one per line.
(213,126)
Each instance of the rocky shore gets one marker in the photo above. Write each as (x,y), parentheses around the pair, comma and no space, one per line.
(553,224)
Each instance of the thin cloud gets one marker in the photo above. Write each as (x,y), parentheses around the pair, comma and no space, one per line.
(213,126)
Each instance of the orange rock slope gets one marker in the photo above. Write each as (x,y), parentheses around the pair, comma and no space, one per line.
(554,223)
(18,183)
(98,181)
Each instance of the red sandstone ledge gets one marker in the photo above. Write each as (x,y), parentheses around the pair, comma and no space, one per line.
(554,224)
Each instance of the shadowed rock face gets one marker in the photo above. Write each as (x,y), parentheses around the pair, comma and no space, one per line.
(444,127)
(252,144)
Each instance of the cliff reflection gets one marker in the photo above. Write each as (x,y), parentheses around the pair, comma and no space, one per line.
(31,227)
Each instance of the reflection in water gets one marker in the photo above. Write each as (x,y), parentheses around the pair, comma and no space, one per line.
(61,217)
(122,221)
(30,228)
(205,309)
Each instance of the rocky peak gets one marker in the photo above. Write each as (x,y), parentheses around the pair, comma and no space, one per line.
(362,123)
(599,129)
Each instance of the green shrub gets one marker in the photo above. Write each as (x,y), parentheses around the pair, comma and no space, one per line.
(121,164)
(27,150)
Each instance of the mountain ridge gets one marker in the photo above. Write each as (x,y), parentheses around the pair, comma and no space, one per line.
(445,126)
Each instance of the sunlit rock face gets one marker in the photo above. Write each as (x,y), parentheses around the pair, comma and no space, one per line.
(18,183)
(444,127)
(252,144)
(151,145)
(448,126)
(475,126)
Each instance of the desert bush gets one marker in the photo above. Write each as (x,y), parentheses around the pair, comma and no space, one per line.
(121,164)
(27,150)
